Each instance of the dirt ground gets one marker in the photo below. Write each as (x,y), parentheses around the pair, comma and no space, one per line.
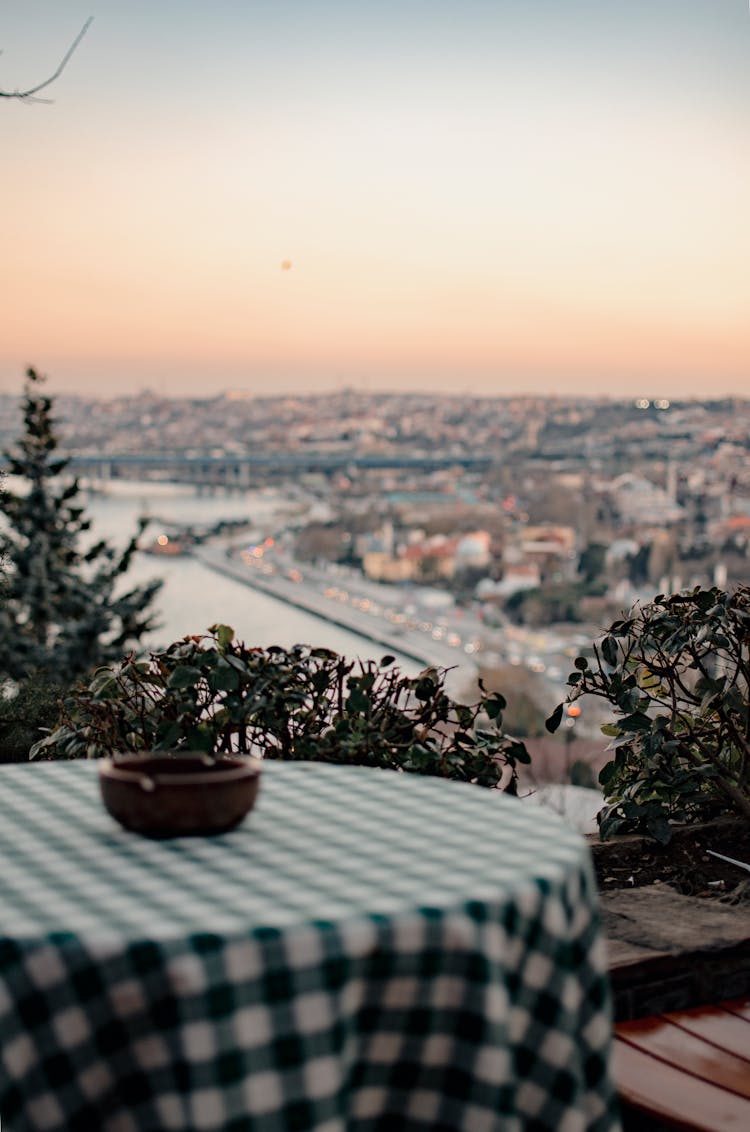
(635,862)
(684,864)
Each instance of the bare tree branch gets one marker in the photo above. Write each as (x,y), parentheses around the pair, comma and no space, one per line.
(28,95)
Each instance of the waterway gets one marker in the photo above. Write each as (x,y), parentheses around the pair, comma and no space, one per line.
(192,596)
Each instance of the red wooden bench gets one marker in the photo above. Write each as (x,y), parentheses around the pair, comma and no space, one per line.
(689,1069)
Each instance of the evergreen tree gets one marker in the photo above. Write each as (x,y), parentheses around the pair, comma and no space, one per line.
(63,609)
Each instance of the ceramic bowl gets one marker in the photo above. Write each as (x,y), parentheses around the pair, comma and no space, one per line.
(179,795)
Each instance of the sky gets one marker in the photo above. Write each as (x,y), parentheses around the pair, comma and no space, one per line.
(461,196)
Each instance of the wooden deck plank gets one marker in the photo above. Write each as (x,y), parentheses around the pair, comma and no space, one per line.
(690,1053)
(679,1099)
(738,1006)
(724,1029)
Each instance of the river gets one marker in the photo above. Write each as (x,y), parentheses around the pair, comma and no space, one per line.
(194,597)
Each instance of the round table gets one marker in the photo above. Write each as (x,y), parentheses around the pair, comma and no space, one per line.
(368,952)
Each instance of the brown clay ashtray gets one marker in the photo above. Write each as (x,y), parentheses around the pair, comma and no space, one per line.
(179,795)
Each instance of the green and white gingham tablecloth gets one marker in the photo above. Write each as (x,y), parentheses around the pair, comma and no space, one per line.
(369,952)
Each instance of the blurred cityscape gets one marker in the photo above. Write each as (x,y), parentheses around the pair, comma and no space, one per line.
(506,531)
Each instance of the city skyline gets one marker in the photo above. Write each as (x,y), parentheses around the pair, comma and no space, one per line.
(490,197)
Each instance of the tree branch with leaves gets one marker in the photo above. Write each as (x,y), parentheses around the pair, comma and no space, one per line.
(64,607)
(677,673)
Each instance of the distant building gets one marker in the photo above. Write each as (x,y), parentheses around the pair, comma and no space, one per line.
(427,561)
(639,501)
(735,529)
(516,577)
(620,549)
(473,550)
(381,566)
(548,539)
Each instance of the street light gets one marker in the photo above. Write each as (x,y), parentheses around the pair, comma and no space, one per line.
(572,713)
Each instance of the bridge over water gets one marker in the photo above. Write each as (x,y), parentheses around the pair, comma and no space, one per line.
(243,472)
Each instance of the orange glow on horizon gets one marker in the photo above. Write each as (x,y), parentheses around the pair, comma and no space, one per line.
(472,220)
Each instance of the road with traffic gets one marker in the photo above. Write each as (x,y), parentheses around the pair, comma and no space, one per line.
(412,620)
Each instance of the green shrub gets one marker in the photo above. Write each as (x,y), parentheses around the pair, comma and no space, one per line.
(212,693)
(677,673)
(26,711)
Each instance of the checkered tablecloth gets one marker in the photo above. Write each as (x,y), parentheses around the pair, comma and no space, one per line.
(369,952)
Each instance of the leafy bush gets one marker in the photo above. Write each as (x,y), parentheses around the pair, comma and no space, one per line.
(26,711)
(214,694)
(677,673)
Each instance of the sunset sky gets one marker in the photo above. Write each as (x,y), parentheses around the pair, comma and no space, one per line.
(487,196)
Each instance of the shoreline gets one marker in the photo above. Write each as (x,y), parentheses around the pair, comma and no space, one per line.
(282,591)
